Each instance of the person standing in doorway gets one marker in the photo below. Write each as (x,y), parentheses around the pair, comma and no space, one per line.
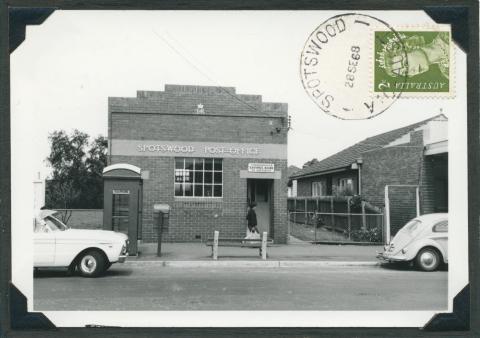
(252,219)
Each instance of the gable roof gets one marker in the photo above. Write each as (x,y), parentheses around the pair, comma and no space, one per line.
(346,157)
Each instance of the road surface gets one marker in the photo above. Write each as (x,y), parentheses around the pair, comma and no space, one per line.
(149,286)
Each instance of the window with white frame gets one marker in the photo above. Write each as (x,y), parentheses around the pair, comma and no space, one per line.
(319,188)
(198,177)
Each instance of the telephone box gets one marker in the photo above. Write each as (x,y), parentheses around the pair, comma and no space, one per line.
(122,202)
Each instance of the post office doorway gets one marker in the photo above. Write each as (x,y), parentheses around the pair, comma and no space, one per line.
(260,192)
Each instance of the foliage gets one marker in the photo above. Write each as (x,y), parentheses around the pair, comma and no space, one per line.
(356,203)
(309,163)
(367,235)
(77,165)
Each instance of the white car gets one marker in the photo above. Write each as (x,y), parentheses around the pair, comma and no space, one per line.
(423,240)
(90,251)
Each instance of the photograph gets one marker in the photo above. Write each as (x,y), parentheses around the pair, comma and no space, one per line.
(239,168)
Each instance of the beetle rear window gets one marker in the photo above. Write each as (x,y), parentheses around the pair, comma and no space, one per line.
(441,226)
(412,225)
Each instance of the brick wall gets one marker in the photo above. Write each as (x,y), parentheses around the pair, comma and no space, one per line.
(199,217)
(170,116)
(198,128)
(83,218)
(394,165)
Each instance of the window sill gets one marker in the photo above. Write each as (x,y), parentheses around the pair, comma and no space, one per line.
(198,199)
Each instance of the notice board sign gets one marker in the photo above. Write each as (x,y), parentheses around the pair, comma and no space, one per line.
(261,167)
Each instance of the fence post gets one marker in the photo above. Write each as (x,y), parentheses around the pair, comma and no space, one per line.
(331,211)
(264,245)
(364,218)
(215,245)
(387,216)
(295,210)
(306,212)
(383,225)
(349,219)
(417,197)
(317,210)
(288,227)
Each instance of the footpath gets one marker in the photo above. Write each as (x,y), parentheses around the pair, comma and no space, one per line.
(296,253)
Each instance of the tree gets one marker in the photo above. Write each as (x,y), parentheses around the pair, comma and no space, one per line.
(77,165)
(309,163)
(95,162)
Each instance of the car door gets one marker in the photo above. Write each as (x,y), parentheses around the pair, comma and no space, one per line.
(43,246)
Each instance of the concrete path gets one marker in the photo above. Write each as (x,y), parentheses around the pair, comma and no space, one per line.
(299,251)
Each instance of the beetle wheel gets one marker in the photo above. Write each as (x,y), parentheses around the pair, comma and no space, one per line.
(428,259)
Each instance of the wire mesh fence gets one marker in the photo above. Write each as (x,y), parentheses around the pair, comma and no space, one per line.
(336,227)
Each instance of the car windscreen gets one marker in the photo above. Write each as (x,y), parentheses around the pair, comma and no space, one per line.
(54,224)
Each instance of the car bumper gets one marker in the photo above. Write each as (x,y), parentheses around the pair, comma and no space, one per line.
(122,258)
(386,258)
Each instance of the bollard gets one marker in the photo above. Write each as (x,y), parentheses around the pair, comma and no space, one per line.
(264,246)
(215,245)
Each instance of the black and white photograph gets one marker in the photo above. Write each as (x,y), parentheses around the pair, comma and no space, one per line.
(239,168)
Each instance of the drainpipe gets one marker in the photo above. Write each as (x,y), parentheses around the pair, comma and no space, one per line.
(360,180)
(387,216)
(417,193)
(359,163)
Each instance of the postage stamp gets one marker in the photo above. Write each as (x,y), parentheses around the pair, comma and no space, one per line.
(427,66)
(355,66)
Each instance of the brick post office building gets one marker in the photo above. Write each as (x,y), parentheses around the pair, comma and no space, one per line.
(206,152)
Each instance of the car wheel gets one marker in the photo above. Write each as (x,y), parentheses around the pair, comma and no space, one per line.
(91,264)
(428,259)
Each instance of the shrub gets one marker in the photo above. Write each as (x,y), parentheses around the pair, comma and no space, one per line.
(367,235)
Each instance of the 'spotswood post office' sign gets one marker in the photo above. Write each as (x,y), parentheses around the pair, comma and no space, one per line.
(261,167)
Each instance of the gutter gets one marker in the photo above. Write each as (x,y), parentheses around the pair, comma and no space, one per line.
(320,173)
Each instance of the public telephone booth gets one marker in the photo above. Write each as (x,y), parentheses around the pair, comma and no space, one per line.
(122,209)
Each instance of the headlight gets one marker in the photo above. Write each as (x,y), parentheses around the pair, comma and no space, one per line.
(124,248)
(404,251)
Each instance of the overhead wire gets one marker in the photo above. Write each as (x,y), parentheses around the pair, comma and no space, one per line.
(200,71)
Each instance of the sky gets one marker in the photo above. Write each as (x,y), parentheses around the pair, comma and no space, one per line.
(63,73)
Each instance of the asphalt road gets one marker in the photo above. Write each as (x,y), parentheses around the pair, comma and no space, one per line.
(147,286)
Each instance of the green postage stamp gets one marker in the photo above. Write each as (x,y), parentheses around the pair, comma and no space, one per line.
(414,62)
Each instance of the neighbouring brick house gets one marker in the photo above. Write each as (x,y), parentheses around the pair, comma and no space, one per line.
(415,155)
(206,152)
(292,190)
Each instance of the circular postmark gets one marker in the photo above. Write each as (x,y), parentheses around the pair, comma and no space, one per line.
(338,62)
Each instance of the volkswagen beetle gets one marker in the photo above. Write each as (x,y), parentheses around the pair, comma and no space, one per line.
(423,240)
(91,252)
